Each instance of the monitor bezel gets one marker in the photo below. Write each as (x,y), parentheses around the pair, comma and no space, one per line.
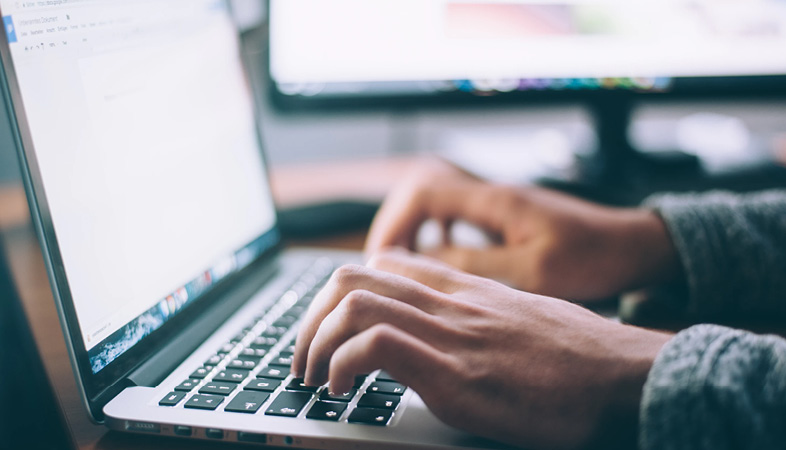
(742,87)
(96,389)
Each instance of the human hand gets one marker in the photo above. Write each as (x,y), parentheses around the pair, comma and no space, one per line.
(500,363)
(546,242)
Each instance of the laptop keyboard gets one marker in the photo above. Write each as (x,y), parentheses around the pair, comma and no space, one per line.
(250,374)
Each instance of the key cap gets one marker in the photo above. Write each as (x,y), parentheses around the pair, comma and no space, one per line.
(239,337)
(275,332)
(218,387)
(285,321)
(263,384)
(338,397)
(297,384)
(288,404)
(279,373)
(186,385)
(386,387)
(213,360)
(384,376)
(263,342)
(172,399)
(199,401)
(370,416)
(241,364)
(231,375)
(326,411)
(201,372)
(379,401)
(253,352)
(247,402)
(226,348)
(359,380)
(290,349)
(281,361)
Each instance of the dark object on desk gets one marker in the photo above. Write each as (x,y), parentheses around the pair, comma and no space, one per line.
(324,219)
(30,417)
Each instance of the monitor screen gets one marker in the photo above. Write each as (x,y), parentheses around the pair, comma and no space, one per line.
(141,124)
(420,47)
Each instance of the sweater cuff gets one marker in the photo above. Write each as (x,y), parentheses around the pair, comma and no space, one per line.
(712,387)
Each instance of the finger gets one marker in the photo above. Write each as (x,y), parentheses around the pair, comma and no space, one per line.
(408,359)
(347,279)
(429,272)
(493,262)
(402,214)
(357,312)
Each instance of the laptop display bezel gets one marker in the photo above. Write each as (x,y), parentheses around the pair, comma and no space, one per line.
(97,388)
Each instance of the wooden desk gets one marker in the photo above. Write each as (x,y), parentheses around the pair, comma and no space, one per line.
(366,180)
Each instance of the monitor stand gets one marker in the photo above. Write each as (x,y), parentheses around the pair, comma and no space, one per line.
(616,163)
(617,173)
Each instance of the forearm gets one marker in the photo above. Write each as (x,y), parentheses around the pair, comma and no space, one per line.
(732,249)
(713,388)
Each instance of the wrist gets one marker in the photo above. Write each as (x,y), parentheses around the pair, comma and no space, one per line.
(650,250)
(618,424)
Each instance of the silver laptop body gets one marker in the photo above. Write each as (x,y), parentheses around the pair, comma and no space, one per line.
(138,140)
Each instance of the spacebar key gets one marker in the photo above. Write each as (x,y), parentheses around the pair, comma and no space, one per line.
(288,404)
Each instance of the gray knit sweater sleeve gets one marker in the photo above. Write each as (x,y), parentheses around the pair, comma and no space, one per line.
(716,388)
(732,249)
(713,387)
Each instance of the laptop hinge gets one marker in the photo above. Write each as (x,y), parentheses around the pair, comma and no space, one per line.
(156,368)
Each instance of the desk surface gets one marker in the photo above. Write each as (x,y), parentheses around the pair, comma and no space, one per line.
(364,180)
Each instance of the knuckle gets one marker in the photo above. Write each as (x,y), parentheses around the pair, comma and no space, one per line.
(356,302)
(380,337)
(346,274)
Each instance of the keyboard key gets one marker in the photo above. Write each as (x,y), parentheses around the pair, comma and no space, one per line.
(263,384)
(253,358)
(253,352)
(227,348)
(241,364)
(231,375)
(379,401)
(275,332)
(210,402)
(279,373)
(214,360)
(370,416)
(187,385)
(218,387)
(297,384)
(288,404)
(281,361)
(239,337)
(202,372)
(246,402)
(386,387)
(338,397)
(285,321)
(359,380)
(263,342)
(290,350)
(384,376)
(172,399)
(326,411)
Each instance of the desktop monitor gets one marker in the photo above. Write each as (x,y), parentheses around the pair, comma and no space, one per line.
(608,53)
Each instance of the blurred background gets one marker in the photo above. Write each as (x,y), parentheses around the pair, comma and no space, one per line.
(500,131)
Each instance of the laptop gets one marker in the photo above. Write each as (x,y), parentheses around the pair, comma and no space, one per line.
(139,145)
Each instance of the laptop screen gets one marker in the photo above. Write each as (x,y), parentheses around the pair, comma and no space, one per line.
(142,125)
